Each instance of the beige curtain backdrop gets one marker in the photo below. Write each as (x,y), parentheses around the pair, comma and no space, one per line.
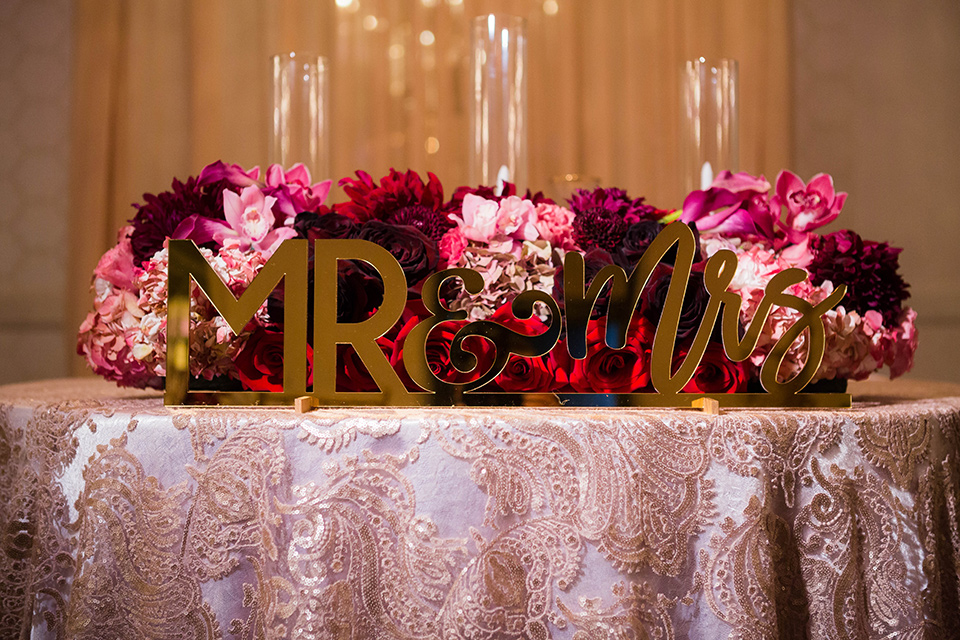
(163,87)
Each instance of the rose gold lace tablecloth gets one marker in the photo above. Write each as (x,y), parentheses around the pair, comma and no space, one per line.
(122,519)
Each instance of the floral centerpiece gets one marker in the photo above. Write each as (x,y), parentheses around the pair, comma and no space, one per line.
(517,243)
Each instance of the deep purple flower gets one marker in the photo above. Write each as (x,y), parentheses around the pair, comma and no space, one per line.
(869,269)
(416,253)
(635,241)
(695,300)
(599,228)
(322,225)
(359,294)
(160,214)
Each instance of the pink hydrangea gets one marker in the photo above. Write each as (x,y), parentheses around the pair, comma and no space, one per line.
(125,337)
(849,349)
(213,344)
(117,266)
(901,344)
(778,322)
(108,335)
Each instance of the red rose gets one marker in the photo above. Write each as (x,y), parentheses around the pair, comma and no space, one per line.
(260,361)
(716,373)
(607,370)
(438,353)
(527,375)
(533,375)
(352,374)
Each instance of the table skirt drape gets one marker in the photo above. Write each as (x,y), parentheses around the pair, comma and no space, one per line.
(124,519)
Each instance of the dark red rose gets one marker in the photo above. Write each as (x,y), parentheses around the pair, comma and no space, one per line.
(593,262)
(260,361)
(695,300)
(416,253)
(533,375)
(438,353)
(324,225)
(607,370)
(716,373)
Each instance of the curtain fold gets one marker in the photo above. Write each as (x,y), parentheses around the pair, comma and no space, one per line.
(163,87)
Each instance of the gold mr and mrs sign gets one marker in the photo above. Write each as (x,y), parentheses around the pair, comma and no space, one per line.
(290,264)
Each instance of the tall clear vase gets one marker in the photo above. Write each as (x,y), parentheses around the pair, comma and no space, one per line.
(300,129)
(709,121)
(498,101)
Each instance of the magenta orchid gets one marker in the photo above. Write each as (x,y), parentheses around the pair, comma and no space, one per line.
(232,173)
(735,204)
(249,224)
(809,206)
(293,191)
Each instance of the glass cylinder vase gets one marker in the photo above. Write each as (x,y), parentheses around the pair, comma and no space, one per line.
(498,104)
(300,129)
(709,122)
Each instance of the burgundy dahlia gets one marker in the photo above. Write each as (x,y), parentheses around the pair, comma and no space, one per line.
(615,201)
(160,214)
(431,222)
(372,201)
(599,228)
(869,269)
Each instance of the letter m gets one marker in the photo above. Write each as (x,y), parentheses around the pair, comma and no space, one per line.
(186,263)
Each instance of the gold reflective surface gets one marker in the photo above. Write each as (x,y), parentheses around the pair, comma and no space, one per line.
(289,265)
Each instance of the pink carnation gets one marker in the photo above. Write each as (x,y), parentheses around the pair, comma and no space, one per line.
(451,247)
(555,224)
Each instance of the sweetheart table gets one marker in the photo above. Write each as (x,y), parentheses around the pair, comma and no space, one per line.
(121,518)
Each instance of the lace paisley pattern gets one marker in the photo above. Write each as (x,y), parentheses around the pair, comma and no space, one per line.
(122,518)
